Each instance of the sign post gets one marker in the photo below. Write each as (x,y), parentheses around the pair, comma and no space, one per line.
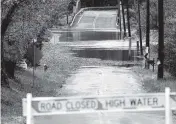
(168,111)
(129,51)
(40,106)
(29,106)
(167,106)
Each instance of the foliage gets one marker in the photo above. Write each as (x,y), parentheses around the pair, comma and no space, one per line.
(23,21)
(28,22)
(170,36)
(169,28)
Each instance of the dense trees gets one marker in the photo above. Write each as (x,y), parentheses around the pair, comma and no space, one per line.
(169,29)
(23,21)
(170,36)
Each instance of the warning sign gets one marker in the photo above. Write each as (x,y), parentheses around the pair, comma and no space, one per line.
(39,106)
(92,104)
(133,102)
(75,105)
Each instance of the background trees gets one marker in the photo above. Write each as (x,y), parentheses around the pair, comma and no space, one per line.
(23,21)
(169,29)
(170,36)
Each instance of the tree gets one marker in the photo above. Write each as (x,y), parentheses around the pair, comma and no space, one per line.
(170,36)
(22,21)
(123,17)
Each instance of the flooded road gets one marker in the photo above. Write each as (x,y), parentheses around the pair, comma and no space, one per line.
(100,80)
(94,19)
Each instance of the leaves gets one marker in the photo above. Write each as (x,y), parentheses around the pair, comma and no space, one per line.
(27,21)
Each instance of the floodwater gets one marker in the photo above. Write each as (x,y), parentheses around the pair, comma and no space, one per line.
(105,46)
(103,54)
(100,80)
(89,35)
(103,80)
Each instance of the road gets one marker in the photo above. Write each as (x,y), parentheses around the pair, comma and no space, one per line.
(97,20)
(99,80)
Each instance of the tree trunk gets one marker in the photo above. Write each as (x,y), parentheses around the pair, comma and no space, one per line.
(148,24)
(6,21)
(161,39)
(4,79)
(140,32)
(128,20)
(4,25)
(119,20)
(10,68)
(123,15)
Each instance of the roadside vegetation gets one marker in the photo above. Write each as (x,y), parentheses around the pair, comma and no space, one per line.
(148,77)
(24,23)
(169,31)
(24,26)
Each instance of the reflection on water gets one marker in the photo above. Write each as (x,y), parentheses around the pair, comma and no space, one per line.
(102,80)
(119,55)
(88,36)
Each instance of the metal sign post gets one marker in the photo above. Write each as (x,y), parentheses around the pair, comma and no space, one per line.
(129,50)
(40,106)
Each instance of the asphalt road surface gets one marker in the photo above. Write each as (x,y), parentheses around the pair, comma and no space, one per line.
(97,20)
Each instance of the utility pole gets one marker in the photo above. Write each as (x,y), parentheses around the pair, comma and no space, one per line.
(123,15)
(67,17)
(34,42)
(128,20)
(140,32)
(120,24)
(129,29)
(148,24)
(161,39)
(148,31)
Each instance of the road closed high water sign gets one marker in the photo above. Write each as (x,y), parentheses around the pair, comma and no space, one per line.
(39,106)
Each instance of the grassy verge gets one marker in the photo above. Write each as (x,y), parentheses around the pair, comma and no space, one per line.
(150,82)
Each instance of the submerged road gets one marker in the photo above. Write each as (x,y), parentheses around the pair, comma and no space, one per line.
(103,80)
(99,80)
(97,20)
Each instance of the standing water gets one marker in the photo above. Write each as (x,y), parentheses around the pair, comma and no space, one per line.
(96,80)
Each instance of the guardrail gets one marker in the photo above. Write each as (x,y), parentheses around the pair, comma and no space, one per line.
(76,16)
(91,8)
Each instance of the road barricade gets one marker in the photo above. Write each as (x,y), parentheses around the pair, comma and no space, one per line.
(40,106)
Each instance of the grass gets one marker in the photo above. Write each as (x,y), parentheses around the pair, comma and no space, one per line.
(150,82)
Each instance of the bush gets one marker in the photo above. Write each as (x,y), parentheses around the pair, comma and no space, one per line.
(23,21)
(170,54)
(170,36)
